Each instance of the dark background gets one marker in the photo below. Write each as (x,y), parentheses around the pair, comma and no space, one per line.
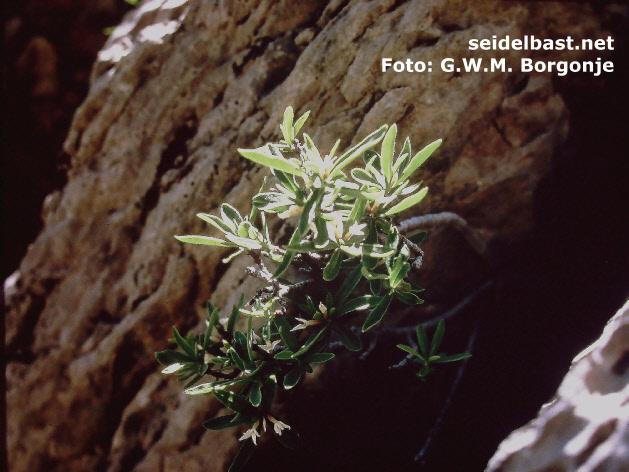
(564,279)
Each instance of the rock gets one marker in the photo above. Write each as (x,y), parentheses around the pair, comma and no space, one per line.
(585,427)
(176,89)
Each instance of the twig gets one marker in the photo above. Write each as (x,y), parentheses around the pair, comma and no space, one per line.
(446,406)
(445,218)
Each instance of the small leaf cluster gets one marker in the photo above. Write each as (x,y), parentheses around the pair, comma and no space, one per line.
(428,356)
(345,259)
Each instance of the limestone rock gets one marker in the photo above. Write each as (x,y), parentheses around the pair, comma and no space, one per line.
(177,88)
(585,427)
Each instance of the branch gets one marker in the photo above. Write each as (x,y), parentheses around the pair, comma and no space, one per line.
(446,406)
(445,218)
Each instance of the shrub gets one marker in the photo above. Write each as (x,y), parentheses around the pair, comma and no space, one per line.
(345,258)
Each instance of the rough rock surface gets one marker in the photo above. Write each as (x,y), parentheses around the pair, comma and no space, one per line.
(178,86)
(585,427)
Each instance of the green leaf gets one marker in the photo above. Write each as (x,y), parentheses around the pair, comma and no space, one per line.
(229,213)
(452,358)
(212,312)
(243,242)
(364,177)
(400,270)
(243,456)
(255,395)
(436,339)
(419,158)
(235,314)
(408,298)
(240,363)
(308,215)
(287,125)
(300,122)
(348,338)
(222,422)
(290,254)
(272,201)
(377,250)
(214,221)
(205,240)
(386,153)
(293,377)
(284,355)
(404,157)
(288,181)
(320,358)
(265,156)
(407,202)
(349,285)
(357,150)
(184,344)
(418,238)
(333,266)
(231,400)
(422,339)
(284,328)
(312,341)
(169,357)
(410,350)
(269,390)
(359,303)
(377,313)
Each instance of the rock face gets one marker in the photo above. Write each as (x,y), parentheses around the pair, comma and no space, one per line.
(585,427)
(177,88)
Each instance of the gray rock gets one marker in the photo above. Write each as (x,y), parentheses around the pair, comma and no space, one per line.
(585,427)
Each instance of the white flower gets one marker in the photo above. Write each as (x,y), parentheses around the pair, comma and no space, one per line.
(278,426)
(335,229)
(293,210)
(207,358)
(355,230)
(270,346)
(323,309)
(304,324)
(252,433)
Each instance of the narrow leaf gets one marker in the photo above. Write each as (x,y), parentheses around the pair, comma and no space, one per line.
(183,344)
(333,266)
(377,313)
(436,340)
(410,350)
(169,357)
(419,158)
(242,456)
(284,328)
(287,125)
(422,339)
(221,422)
(348,338)
(408,202)
(320,358)
(349,284)
(205,240)
(265,156)
(292,378)
(386,153)
(357,150)
(214,221)
(452,358)
(300,122)
(255,395)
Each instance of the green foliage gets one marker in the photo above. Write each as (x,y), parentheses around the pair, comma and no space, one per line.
(428,356)
(345,259)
